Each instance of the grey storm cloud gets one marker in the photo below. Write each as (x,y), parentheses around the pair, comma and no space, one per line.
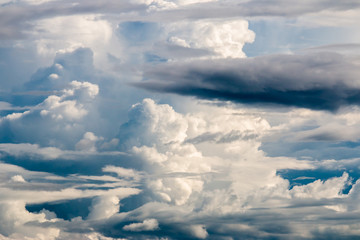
(321,81)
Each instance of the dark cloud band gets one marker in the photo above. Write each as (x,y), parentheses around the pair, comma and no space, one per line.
(323,81)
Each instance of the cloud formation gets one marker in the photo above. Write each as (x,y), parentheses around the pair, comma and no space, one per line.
(180,183)
(322,81)
(86,155)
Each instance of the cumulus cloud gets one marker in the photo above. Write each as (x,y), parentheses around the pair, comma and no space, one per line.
(224,38)
(184,39)
(146,225)
(56,114)
(204,193)
(14,216)
(87,143)
(196,188)
(153,122)
(18,178)
(329,189)
(104,207)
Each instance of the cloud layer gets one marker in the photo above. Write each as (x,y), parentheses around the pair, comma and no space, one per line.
(317,81)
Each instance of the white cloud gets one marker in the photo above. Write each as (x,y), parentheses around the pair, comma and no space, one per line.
(53,76)
(206,162)
(198,231)
(104,207)
(63,194)
(18,178)
(58,109)
(146,225)
(174,190)
(13,116)
(215,141)
(82,90)
(57,115)
(330,188)
(87,143)
(66,33)
(159,123)
(67,106)
(225,38)
(149,154)
(26,149)
(14,217)
(122,172)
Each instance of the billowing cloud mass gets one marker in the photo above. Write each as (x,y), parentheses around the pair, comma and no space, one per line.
(179,119)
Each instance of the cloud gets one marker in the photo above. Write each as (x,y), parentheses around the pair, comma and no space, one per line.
(18,178)
(95,33)
(171,11)
(122,172)
(329,189)
(69,66)
(322,81)
(85,155)
(317,135)
(19,223)
(154,123)
(183,40)
(14,216)
(64,194)
(104,207)
(87,143)
(16,17)
(198,231)
(146,225)
(183,166)
(26,149)
(199,189)
(224,38)
(56,114)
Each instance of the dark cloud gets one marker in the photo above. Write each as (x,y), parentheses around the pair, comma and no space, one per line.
(322,81)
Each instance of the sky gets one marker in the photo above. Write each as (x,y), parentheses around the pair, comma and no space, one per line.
(179,119)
